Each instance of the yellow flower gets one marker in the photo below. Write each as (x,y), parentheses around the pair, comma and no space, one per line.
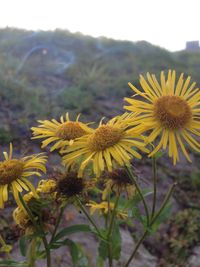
(104,208)
(170,110)
(38,210)
(109,143)
(21,218)
(61,133)
(29,196)
(20,215)
(46,186)
(14,173)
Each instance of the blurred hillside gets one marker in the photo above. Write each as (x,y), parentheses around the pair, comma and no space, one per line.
(45,74)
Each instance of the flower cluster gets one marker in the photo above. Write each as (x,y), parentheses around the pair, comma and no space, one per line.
(162,114)
(167,111)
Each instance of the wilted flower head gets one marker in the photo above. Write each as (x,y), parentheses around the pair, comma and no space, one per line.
(118,181)
(69,185)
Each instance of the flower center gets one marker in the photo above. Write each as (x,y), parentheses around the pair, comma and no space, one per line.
(10,170)
(120,177)
(70,185)
(172,112)
(70,130)
(105,136)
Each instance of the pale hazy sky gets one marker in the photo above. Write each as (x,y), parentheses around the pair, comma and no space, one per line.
(167,23)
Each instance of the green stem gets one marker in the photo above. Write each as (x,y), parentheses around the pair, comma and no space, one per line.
(88,216)
(31,253)
(108,214)
(154,167)
(169,194)
(139,192)
(151,223)
(3,243)
(57,223)
(110,231)
(113,216)
(39,228)
(48,252)
(136,248)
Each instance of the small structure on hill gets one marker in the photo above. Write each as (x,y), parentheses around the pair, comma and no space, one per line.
(193,46)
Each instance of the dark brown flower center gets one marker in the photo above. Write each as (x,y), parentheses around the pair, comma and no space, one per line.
(70,185)
(173,112)
(10,170)
(120,177)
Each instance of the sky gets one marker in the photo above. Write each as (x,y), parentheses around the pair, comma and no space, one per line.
(166,23)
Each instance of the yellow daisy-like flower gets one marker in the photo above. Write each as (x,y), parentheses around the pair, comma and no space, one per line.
(109,143)
(104,208)
(170,110)
(14,173)
(61,133)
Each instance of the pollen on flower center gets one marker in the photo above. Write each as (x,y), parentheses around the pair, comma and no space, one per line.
(70,130)
(172,112)
(105,136)
(10,170)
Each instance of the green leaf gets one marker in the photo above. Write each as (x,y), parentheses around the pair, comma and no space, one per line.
(74,251)
(165,214)
(103,245)
(103,250)
(72,229)
(82,259)
(159,154)
(136,199)
(99,262)
(41,254)
(115,245)
(116,242)
(23,244)
(136,213)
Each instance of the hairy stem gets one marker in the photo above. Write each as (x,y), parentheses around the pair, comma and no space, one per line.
(57,223)
(154,167)
(31,253)
(110,230)
(151,223)
(90,219)
(139,192)
(39,228)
